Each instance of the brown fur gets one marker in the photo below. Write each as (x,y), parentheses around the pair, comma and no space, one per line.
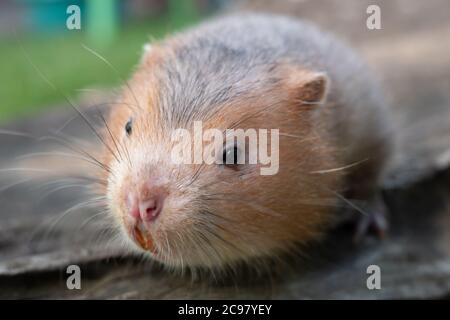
(224,216)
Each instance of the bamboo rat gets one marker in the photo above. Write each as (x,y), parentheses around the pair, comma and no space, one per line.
(245,71)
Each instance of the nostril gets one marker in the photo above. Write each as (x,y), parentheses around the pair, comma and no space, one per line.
(150,209)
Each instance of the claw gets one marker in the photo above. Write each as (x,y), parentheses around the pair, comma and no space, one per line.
(374,221)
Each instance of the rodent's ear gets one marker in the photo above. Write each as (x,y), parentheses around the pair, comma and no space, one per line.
(309,87)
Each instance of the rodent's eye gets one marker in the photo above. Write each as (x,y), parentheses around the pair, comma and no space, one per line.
(129,127)
(231,156)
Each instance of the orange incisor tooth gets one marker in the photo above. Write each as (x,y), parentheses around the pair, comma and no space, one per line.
(144,241)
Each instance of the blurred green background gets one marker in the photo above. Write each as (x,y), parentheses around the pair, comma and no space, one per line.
(36,30)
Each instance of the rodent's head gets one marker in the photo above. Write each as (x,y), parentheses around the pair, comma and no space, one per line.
(213,215)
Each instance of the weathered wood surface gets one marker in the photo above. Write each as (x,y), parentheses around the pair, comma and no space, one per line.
(410,54)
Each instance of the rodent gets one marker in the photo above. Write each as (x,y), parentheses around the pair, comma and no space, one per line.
(253,71)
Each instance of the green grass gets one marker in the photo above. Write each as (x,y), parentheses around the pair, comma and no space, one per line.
(68,65)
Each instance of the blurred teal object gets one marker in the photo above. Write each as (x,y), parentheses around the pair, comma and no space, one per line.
(49,16)
(102,21)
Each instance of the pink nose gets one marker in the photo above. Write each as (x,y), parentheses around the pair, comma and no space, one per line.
(150,209)
(145,208)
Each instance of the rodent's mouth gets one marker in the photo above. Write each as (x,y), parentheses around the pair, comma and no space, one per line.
(142,238)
